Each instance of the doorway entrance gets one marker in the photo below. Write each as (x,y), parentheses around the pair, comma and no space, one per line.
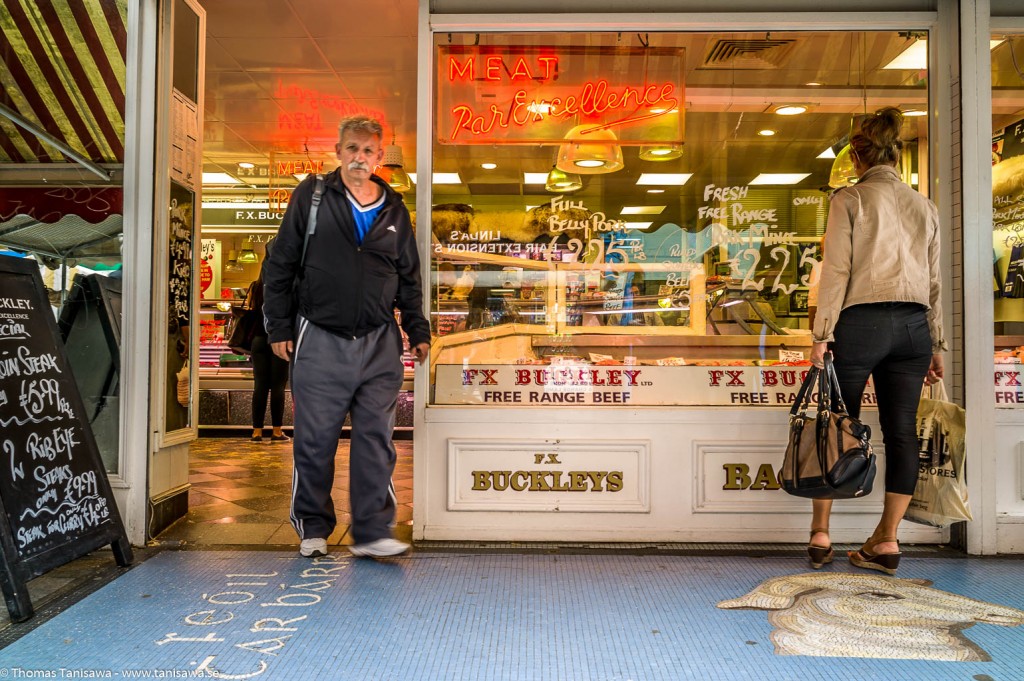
(278,78)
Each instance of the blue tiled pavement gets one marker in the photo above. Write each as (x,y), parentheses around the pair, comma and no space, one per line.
(273,615)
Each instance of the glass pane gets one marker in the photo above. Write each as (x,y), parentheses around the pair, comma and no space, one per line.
(1008,215)
(61,170)
(631,212)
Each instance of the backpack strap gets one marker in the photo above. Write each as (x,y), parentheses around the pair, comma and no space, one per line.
(318,192)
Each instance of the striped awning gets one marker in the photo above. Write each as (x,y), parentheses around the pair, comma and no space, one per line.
(62,68)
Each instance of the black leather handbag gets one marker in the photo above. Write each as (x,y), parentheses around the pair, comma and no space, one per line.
(829,453)
(243,328)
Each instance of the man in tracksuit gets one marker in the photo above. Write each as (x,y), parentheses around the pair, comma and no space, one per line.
(340,335)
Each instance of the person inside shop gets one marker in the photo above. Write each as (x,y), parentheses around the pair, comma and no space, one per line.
(269,372)
(880,315)
(340,335)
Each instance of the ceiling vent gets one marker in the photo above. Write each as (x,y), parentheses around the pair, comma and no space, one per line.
(748,54)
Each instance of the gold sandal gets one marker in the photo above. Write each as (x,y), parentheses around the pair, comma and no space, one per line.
(883,562)
(819,555)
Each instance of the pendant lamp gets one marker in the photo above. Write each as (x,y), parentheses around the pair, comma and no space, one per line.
(232,264)
(661,152)
(392,170)
(247,255)
(561,182)
(843,173)
(666,148)
(589,151)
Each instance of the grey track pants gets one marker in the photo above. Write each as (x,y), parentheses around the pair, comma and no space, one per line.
(332,377)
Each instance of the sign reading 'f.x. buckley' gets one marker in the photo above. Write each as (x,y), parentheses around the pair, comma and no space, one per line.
(548,475)
(535,95)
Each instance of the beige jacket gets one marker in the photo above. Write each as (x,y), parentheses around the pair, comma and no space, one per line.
(881,245)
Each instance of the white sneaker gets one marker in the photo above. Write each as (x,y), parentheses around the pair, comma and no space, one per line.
(380,548)
(313,548)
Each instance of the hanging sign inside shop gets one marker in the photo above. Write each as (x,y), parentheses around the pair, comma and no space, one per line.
(242,217)
(535,95)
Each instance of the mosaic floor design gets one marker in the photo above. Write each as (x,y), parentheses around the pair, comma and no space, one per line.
(272,615)
(241,492)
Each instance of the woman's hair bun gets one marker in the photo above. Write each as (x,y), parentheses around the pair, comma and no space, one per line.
(878,140)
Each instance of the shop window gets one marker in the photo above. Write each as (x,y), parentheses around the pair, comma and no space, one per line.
(636,219)
(62,146)
(1008,216)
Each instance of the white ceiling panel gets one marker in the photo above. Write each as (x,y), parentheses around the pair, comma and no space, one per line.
(369,54)
(380,19)
(299,86)
(272,20)
(381,84)
(249,110)
(217,58)
(257,55)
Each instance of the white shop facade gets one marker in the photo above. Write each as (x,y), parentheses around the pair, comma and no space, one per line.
(625,215)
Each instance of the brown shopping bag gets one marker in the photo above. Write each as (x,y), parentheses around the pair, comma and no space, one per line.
(940,497)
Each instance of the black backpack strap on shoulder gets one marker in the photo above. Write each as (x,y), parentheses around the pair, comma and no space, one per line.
(318,193)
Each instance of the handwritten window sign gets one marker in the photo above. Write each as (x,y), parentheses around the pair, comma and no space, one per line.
(57,503)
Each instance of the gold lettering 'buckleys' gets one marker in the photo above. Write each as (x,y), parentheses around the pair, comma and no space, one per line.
(737,477)
(547,481)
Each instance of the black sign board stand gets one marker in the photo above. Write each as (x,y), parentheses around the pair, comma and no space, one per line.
(56,501)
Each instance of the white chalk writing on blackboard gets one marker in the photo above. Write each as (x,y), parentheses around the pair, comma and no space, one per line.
(10,330)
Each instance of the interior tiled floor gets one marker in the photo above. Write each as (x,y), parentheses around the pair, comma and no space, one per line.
(241,491)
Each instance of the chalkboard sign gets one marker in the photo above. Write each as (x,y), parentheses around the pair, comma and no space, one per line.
(56,501)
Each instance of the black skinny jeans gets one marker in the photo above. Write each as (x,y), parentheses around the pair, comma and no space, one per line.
(270,374)
(891,343)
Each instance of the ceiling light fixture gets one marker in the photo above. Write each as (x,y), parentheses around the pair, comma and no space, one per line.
(828,153)
(220,178)
(589,151)
(561,182)
(779,178)
(391,169)
(246,164)
(232,264)
(441,178)
(915,56)
(655,191)
(247,254)
(666,145)
(767,132)
(661,152)
(636,225)
(790,109)
(642,210)
(674,179)
(910,113)
(488,166)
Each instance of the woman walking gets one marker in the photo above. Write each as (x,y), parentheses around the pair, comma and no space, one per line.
(880,314)
(269,372)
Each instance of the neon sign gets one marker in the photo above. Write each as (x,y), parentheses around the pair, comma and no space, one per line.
(530,95)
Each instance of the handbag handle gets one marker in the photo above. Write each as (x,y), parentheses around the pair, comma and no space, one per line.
(836,402)
(803,397)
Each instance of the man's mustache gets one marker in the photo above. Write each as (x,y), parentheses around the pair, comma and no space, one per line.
(358,165)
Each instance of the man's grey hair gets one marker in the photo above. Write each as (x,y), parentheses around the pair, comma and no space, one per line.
(363,124)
